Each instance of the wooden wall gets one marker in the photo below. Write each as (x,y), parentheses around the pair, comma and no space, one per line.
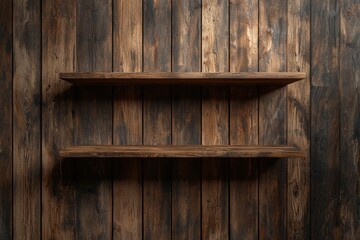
(45,197)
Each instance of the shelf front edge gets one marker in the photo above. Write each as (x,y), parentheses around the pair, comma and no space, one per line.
(183,78)
(202,151)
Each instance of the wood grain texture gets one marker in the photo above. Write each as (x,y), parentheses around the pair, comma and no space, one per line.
(325,120)
(182,78)
(127,121)
(186,120)
(325,127)
(349,119)
(26,126)
(157,120)
(272,119)
(298,121)
(215,120)
(244,125)
(58,176)
(6,121)
(182,151)
(157,173)
(93,120)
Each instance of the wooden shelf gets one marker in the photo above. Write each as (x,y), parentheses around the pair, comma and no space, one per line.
(183,78)
(182,151)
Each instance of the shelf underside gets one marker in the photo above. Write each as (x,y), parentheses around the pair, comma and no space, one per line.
(182,78)
(182,151)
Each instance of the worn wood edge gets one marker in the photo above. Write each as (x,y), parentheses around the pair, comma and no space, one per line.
(183,151)
(182,75)
(197,82)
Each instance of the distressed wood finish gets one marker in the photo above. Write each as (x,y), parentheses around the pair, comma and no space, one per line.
(131,45)
(350,119)
(182,78)
(298,120)
(272,120)
(93,120)
(186,120)
(26,126)
(157,120)
(59,182)
(221,76)
(325,134)
(215,116)
(6,120)
(127,121)
(182,151)
(244,125)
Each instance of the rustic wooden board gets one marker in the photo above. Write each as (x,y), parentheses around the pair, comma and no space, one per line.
(349,119)
(186,120)
(244,200)
(127,121)
(6,120)
(157,120)
(272,119)
(215,120)
(26,125)
(298,120)
(59,182)
(181,78)
(93,120)
(325,120)
(182,151)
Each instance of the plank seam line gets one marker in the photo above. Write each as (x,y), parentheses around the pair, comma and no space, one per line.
(41,119)
(113,118)
(12,119)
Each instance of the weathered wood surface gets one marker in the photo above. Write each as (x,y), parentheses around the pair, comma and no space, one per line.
(272,119)
(6,120)
(178,36)
(58,176)
(186,120)
(349,119)
(183,151)
(298,120)
(27,115)
(215,120)
(93,120)
(244,200)
(127,121)
(184,78)
(325,109)
(157,120)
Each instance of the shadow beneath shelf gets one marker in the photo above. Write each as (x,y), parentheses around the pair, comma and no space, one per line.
(71,91)
(106,169)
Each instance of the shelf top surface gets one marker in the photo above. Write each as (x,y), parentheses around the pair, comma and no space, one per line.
(182,151)
(186,78)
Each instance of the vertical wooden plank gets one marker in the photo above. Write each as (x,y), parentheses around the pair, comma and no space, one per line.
(157,120)
(26,138)
(325,120)
(93,120)
(186,120)
(58,54)
(244,198)
(298,112)
(350,119)
(6,119)
(215,120)
(272,120)
(127,123)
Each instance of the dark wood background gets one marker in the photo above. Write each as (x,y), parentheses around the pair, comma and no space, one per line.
(45,197)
